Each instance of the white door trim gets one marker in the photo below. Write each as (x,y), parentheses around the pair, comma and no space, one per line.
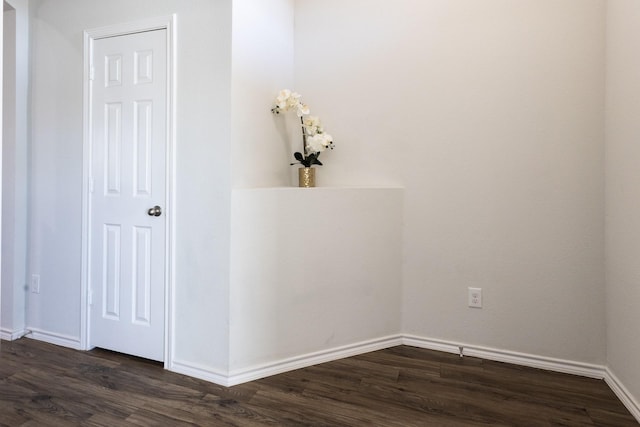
(163,22)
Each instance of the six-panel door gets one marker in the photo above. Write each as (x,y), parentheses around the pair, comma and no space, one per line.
(128,192)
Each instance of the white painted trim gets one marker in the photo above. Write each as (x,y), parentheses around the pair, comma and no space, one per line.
(199,371)
(623,394)
(57,339)
(168,23)
(8,335)
(150,24)
(522,359)
(261,371)
(1,127)
(172,79)
(86,205)
(267,369)
(430,344)
(277,367)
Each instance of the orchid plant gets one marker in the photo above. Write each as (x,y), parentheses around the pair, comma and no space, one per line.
(314,139)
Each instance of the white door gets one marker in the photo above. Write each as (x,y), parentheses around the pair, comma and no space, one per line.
(128,194)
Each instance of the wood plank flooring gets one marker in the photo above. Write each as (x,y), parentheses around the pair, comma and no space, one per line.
(46,385)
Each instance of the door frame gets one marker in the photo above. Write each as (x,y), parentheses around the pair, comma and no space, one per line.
(167,23)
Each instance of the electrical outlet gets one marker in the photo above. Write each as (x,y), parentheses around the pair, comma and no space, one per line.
(35,283)
(475,297)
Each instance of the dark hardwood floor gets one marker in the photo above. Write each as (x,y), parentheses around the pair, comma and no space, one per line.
(45,385)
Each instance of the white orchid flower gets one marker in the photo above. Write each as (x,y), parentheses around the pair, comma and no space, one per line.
(303,109)
(318,143)
(312,125)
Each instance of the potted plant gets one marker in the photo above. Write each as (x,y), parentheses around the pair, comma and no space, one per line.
(314,138)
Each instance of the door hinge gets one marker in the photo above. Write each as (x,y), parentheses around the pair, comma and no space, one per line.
(92,73)
(91,185)
(90,296)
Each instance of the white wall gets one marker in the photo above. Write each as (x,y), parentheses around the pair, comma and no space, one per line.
(202,167)
(262,64)
(490,114)
(313,270)
(623,192)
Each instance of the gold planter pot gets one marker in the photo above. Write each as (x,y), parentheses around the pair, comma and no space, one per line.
(307,177)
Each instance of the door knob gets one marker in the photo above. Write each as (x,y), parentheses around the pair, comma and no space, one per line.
(155,211)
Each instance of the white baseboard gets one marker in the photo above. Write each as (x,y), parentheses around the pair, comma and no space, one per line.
(268,369)
(200,372)
(623,394)
(8,335)
(57,339)
(522,359)
(277,367)
(249,374)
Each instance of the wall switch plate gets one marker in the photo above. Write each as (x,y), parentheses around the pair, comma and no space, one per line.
(475,297)
(35,283)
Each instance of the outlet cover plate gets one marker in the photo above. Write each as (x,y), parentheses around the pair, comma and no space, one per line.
(475,297)
(35,283)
